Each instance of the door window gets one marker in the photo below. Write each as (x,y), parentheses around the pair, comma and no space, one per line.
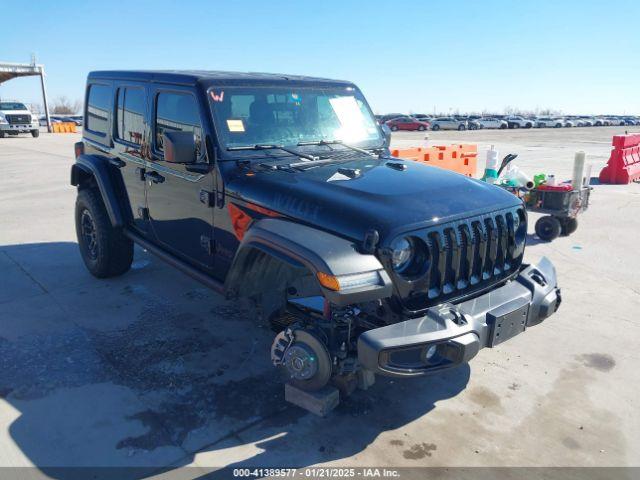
(98,106)
(178,112)
(130,116)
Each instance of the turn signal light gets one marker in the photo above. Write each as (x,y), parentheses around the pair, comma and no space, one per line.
(328,281)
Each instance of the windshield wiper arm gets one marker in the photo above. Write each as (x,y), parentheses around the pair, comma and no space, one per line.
(311,158)
(337,142)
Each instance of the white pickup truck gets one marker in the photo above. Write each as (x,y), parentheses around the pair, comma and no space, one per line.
(16,118)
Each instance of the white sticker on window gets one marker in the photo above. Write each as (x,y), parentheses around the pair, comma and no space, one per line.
(351,119)
(235,125)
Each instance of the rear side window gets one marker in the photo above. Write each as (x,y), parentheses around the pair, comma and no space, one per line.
(130,117)
(98,106)
(177,112)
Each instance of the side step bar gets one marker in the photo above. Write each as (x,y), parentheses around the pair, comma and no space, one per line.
(184,267)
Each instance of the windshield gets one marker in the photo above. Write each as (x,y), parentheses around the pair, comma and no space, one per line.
(289,116)
(12,106)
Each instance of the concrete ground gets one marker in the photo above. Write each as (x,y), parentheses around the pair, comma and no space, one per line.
(151,369)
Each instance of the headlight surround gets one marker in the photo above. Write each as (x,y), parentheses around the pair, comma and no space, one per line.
(402,254)
(410,257)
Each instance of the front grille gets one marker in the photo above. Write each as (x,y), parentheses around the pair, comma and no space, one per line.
(13,119)
(460,258)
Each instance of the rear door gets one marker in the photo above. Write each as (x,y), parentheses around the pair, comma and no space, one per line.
(181,221)
(130,143)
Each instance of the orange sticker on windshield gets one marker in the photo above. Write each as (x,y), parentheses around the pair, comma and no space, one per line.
(235,125)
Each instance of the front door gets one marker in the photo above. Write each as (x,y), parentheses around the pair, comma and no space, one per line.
(181,221)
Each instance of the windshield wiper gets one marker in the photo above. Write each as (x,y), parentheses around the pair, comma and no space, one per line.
(336,142)
(311,158)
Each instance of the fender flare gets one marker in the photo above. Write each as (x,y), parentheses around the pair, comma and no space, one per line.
(315,250)
(92,166)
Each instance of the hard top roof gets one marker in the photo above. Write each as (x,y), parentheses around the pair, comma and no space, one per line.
(191,77)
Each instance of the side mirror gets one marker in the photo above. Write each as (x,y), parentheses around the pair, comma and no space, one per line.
(179,147)
(386,131)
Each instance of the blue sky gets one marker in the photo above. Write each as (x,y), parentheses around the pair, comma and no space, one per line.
(574,56)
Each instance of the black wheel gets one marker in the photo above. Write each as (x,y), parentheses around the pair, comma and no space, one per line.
(569,225)
(461,127)
(305,362)
(421,128)
(436,127)
(35,133)
(104,249)
(502,126)
(394,128)
(1,134)
(548,228)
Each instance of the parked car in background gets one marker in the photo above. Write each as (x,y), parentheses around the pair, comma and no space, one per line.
(389,116)
(542,122)
(491,122)
(630,121)
(422,117)
(599,122)
(516,121)
(568,122)
(407,123)
(77,119)
(616,121)
(586,121)
(16,118)
(448,123)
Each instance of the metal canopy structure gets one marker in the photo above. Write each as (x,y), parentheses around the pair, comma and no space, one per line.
(9,71)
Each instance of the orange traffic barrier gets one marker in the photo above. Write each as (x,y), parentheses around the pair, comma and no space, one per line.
(63,127)
(624,163)
(460,158)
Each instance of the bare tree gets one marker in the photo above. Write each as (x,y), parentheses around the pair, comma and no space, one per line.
(63,106)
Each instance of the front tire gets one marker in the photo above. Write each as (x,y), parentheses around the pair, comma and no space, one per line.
(435,128)
(393,128)
(105,250)
(461,128)
(548,228)
(35,133)
(421,128)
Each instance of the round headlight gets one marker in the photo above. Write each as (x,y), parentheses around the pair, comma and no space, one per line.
(402,252)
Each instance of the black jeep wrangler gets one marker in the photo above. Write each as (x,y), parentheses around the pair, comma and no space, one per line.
(281,189)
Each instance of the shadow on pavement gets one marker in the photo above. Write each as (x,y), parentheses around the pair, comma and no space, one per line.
(148,369)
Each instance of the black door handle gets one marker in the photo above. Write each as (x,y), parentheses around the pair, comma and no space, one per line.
(155,177)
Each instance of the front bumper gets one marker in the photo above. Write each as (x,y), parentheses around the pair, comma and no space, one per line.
(19,127)
(449,335)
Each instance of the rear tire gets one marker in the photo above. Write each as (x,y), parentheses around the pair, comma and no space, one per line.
(394,128)
(421,128)
(435,128)
(35,133)
(569,226)
(548,228)
(1,134)
(105,250)
(461,128)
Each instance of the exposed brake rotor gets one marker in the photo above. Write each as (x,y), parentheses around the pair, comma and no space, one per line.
(303,358)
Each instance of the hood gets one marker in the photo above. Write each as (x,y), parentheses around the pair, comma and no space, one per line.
(382,198)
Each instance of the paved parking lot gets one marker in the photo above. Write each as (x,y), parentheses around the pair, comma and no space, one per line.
(152,369)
